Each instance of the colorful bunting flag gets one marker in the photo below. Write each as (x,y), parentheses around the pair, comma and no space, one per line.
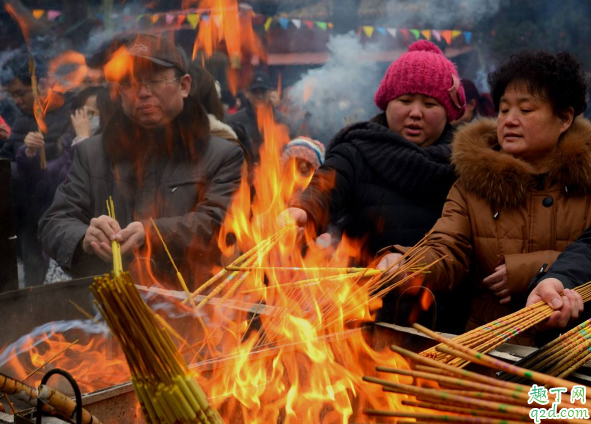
(169,18)
(137,18)
(52,14)
(427,34)
(416,33)
(217,20)
(404,33)
(446,36)
(193,19)
(268,23)
(309,24)
(436,34)
(154,19)
(330,25)
(205,18)
(392,32)
(455,33)
(297,23)
(321,25)
(468,37)
(38,13)
(283,22)
(368,31)
(181,19)
(381,30)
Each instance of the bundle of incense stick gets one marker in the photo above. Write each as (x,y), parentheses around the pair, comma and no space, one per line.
(491,335)
(166,390)
(561,357)
(444,393)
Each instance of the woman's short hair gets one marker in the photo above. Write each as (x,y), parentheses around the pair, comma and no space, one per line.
(559,78)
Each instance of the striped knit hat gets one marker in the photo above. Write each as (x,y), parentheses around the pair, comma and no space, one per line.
(304,148)
(423,70)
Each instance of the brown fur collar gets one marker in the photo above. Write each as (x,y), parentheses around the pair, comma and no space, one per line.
(503,180)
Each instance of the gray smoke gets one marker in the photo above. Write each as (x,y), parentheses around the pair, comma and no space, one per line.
(341,90)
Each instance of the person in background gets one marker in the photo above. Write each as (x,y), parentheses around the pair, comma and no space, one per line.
(477,105)
(522,194)
(157,159)
(390,176)
(16,83)
(258,95)
(301,157)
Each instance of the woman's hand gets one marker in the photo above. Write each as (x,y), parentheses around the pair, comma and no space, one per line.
(33,141)
(388,260)
(566,308)
(498,284)
(81,122)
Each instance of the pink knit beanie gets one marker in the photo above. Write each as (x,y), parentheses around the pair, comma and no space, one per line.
(424,70)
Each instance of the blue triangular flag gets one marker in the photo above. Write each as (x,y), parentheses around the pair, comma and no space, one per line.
(381,30)
(283,22)
(205,18)
(468,37)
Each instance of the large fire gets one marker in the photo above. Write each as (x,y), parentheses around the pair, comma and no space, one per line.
(283,342)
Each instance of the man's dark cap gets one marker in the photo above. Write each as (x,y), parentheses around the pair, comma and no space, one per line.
(260,81)
(158,50)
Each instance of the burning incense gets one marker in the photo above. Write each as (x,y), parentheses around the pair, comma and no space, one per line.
(489,336)
(38,109)
(55,403)
(115,245)
(165,388)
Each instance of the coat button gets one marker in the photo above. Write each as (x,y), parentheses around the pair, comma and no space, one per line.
(548,202)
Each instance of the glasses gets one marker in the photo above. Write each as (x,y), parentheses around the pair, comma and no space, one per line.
(152,85)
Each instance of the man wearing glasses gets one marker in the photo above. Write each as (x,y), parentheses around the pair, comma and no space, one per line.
(157,160)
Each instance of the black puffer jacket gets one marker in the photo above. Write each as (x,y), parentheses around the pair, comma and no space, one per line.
(376,184)
(383,186)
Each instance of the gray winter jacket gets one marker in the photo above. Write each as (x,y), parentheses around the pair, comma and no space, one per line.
(187,199)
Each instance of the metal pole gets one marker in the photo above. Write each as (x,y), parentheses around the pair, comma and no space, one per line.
(9,278)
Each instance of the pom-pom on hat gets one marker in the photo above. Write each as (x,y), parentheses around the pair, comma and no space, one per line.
(424,70)
(304,148)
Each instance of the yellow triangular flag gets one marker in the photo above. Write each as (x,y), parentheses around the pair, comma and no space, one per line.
(193,19)
(368,31)
(455,33)
(38,13)
(155,18)
(268,23)
(427,34)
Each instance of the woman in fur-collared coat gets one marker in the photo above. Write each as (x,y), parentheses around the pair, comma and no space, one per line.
(522,194)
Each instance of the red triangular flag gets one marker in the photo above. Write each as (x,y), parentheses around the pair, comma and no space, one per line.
(404,32)
(446,36)
(309,24)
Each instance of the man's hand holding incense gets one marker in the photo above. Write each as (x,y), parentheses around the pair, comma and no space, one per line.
(33,141)
(567,304)
(132,237)
(100,233)
(497,283)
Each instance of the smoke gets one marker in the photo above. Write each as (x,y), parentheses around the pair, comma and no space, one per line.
(437,14)
(342,90)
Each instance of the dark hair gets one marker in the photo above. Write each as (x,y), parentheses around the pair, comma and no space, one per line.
(17,67)
(560,78)
(203,89)
(484,102)
(82,97)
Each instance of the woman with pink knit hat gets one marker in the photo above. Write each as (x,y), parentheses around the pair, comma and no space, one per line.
(390,176)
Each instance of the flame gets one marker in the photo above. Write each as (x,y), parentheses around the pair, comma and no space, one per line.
(226,29)
(270,348)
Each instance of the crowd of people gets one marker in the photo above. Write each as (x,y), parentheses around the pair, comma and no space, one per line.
(501,182)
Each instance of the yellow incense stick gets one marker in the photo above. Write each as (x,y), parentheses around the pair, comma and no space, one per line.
(115,245)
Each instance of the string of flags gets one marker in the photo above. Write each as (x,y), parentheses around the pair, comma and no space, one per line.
(429,34)
(192,19)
